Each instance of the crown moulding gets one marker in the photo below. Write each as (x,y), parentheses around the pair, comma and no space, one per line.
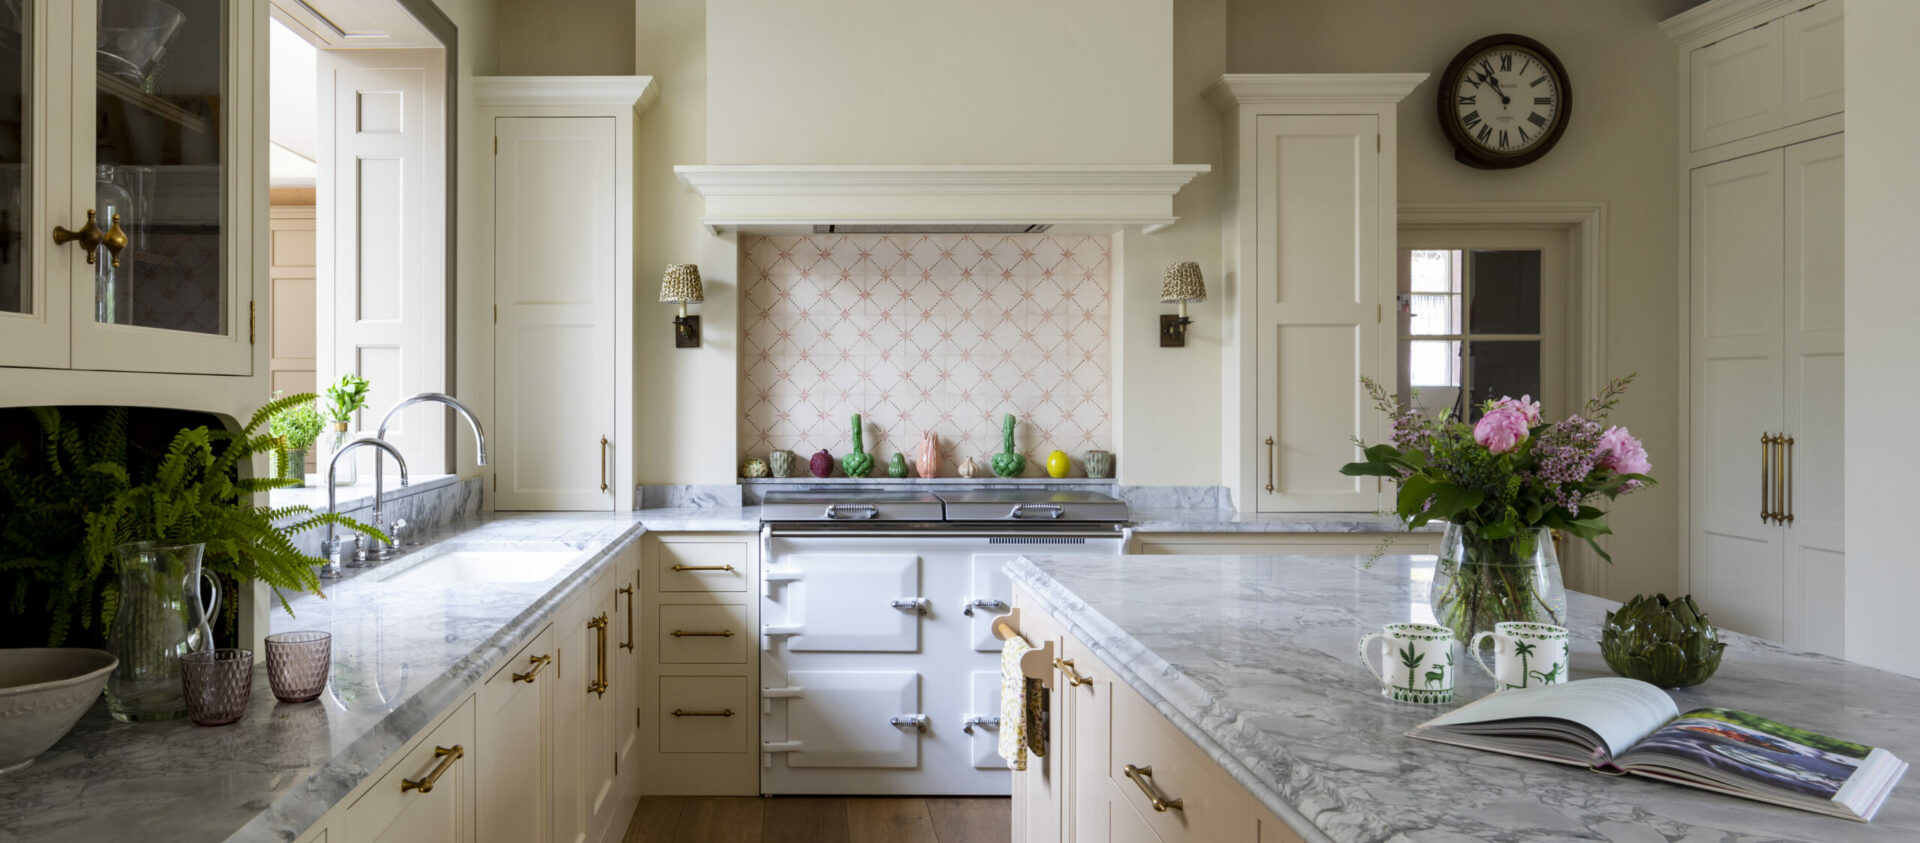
(780,197)
(1710,18)
(1235,89)
(637,91)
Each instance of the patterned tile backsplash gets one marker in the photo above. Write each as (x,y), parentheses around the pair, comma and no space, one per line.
(941,333)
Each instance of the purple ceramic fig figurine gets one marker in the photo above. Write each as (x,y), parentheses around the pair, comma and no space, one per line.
(822,464)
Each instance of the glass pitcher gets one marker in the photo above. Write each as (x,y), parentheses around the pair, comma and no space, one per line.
(160,617)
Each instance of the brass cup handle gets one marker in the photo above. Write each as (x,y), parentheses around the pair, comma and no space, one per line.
(1073,674)
(539,663)
(628,591)
(1143,776)
(447,756)
(1786,470)
(681,712)
(681,633)
(703,567)
(603,463)
(1269,465)
(598,687)
(91,238)
(1766,478)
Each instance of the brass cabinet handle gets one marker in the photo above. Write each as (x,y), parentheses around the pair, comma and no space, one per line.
(703,567)
(1269,465)
(598,687)
(628,591)
(1784,510)
(115,239)
(681,633)
(1766,478)
(1141,776)
(681,712)
(1073,675)
(539,663)
(603,463)
(91,238)
(447,756)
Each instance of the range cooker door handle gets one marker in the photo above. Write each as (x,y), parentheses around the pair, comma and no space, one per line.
(1050,511)
(987,603)
(916,605)
(865,512)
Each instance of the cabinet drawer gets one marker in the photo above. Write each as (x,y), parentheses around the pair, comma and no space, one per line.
(703,713)
(704,634)
(398,807)
(702,566)
(1214,806)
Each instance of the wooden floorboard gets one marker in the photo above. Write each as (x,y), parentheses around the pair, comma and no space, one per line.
(722,819)
(654,820)
(979,819)
(804,819)
(889,820)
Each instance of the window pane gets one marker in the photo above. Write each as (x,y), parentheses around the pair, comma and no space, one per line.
(1434,315)
(1434,271)
(1506,291)
(1505,368)
(16,292)
(1432,362)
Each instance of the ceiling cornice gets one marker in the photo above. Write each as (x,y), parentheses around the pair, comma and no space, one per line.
(637,91)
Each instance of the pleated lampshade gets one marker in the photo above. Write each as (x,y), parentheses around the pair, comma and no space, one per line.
(1183,283)
(682,283)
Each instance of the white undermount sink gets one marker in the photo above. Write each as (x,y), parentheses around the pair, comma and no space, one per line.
(486,566)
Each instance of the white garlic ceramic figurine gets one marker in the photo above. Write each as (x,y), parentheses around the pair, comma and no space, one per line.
(966,467)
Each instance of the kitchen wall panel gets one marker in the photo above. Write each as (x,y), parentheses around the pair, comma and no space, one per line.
(945,333)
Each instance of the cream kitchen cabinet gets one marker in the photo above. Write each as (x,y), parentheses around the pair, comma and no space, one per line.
(164,149)
(1755,66)
(1311,243)
(515,735)
(699,664)
(428,796)
(586,791)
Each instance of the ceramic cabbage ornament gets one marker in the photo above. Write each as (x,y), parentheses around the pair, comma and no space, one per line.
(1007,463)
(753,468)
(780,463)
(927,457)
(897,467)
(858,463)
(821,464)
(1666,642)
(1099,464)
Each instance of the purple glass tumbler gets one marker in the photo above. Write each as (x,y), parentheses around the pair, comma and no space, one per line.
(297,664)
(218,684)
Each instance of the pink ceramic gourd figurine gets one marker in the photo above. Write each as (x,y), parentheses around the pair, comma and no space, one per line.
(927,458)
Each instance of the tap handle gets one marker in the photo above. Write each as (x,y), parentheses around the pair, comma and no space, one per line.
(398,531)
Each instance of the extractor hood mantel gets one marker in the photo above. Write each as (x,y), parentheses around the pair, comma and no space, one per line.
(775,198)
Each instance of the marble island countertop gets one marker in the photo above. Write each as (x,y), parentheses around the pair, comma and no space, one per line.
(402,653)
(1252,657)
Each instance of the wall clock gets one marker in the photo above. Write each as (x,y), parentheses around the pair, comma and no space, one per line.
(1504,101)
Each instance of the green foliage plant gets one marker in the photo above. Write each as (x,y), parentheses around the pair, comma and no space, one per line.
(60,521)
(347,397)
(295,428)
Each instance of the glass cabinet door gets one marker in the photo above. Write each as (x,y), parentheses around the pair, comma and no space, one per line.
(164,291)
(33,324)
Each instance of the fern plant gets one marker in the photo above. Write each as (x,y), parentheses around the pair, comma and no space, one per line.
(63,521)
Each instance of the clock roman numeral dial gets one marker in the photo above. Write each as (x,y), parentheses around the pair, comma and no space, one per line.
(1509,101)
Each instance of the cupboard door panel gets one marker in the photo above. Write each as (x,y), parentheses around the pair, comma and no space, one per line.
(1815,84)
(1737,86)
(1214,807)
(393,812)
(35,194)
(1815,293)
(514,732)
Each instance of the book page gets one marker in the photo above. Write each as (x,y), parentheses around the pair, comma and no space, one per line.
(1620,711)
(1753,752)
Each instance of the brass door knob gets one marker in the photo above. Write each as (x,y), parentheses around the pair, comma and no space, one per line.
(91,238)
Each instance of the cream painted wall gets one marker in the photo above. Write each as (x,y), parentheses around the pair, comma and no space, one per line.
(1883,305)
(479,55)
(935,81)
(566,37)
(1619,148)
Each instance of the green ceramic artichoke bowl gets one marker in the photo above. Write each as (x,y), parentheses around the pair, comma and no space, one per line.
(1668,643)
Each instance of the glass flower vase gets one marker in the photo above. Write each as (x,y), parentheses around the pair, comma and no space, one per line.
(347,471)
(1479,582)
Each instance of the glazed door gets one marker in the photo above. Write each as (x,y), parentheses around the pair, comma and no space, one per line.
(34,188)
(164,144)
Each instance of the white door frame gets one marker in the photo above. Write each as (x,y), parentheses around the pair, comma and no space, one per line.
(1585,224)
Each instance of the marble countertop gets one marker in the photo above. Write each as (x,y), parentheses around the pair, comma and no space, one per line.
(1253,658)
(694,519)
(1150,520)
(401,655)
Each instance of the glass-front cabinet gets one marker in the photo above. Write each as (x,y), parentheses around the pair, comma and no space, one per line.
(129,183)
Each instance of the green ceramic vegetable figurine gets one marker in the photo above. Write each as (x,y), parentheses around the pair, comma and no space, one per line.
(897,467)
(857,463)
(1007,463)
(1666,642)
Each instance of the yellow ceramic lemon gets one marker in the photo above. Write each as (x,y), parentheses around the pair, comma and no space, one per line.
(1058,465)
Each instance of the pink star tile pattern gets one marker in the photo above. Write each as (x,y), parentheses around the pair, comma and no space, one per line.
(943,333)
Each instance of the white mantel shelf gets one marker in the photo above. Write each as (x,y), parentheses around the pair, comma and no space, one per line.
(779,198)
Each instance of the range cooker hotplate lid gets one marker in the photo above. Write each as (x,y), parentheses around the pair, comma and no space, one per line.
(1032,505)
(851,504)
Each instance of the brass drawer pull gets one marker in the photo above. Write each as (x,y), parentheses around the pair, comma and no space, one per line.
(1766,478)
(681,633)
(681,712)
(1786,469)
(1073,675)
(628,591)
(603,463)
(539,663)
(598,687)
(447,757)
(703,567)
(1161,804)
(1269,465)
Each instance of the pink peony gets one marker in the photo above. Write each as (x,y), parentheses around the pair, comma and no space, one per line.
(1620,451)
(1502,429)
(1528,407)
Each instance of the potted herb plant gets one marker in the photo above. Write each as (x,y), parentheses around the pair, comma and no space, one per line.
(344,399)
(1503,484)
(294,431)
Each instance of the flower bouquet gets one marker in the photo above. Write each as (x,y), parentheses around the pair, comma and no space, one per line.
(1503,484)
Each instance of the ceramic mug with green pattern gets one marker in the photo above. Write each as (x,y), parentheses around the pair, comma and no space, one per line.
(1418,665)
(1524,654)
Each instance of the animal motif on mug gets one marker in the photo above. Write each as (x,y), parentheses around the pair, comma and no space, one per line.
(1418,665)
(1524,654)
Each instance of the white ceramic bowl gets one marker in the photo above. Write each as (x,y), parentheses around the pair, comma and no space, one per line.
(43,692)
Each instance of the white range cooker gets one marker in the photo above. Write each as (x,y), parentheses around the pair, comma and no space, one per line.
(879,668)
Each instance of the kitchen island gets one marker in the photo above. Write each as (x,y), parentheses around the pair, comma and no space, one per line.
(1252,659)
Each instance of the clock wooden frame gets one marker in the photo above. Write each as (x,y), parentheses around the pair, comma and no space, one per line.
(1472,154)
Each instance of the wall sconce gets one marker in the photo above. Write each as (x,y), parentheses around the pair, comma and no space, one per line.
(1182,284)
(682,284)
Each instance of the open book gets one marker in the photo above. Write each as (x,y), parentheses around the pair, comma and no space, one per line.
(1622,726)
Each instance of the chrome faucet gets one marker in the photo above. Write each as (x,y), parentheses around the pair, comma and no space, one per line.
(385,550)
(331,548)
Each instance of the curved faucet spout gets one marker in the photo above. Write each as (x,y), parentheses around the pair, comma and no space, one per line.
(334,464)
(479,434)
